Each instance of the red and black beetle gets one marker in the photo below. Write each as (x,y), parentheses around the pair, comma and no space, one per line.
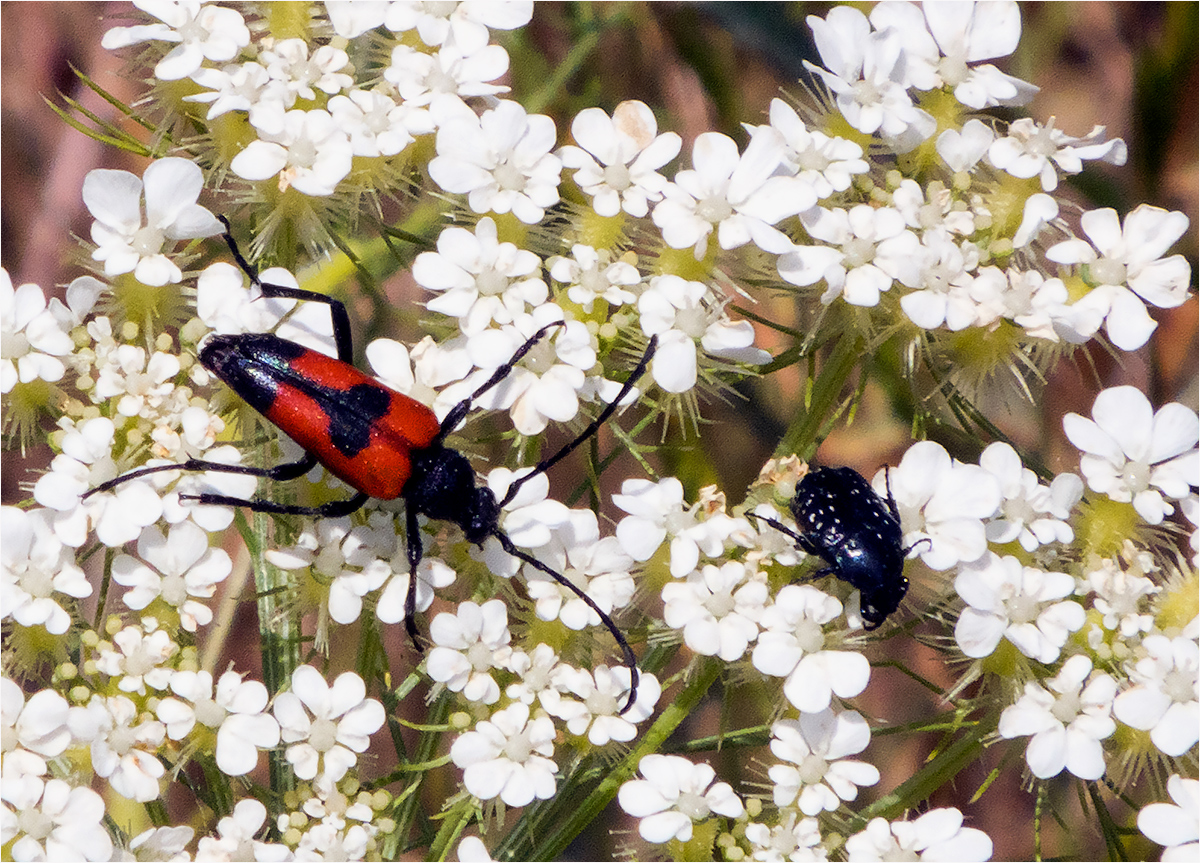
(383,443)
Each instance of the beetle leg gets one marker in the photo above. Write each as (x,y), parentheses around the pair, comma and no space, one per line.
(332,509)
(337,309)
(280,472)
(412,538)
(608,411)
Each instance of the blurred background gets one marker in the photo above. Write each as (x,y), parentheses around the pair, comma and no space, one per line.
(1131,67)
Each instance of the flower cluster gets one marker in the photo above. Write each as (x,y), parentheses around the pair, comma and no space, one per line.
(896,214)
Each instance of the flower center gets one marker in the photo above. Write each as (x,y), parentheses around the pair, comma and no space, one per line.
(209,713)
(715,209)
(1136,475)
(489,283)
(692,805)
(13,345)
(813,769)
(323,735)
(617,177)
(858,252)
(601,703)
(509,178)
(1066,707)
(480,656)
(518,748)
(35,824)
(720,604)
(174,590)
(1021,608)
(147,241)
(953,70)
(808,635)
(1180,685)
(121,739)
(37,583)
(1107,271)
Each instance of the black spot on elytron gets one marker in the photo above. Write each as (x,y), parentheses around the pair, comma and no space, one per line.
(356,411)
(857,533)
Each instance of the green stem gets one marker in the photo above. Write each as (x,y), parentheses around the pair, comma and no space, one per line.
(568,824)
(278,633)
(802,437)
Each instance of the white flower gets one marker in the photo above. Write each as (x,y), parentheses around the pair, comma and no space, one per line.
(718,609)
(126,242)
(792,645)
(1033,150)
(202,32)
(341,723)
(866,73)
(501,161)
(124,749)
(962,149)
(1125,268)
(793,838)
(597,566)
(32,730)
(161,843)
(478,279)
(117,516)
(593,275)
(1133,453)
(1067,721)
(289,61)
(942,501)
(825,164)
(472,850)
(959,34)
(1008,600)
(1118,596)
(1163,699)
(35,566)
(467,646)
(377,126)
(52,821)
(235,837)
(432,574)
(679,312)
(235,711)
(311,153)
(1175,825)
(1031,513)
(820,776)
(244,87)
(536,671)
(548,381)
(509,756)
(466,23)
(31,336)
(945,285)
(351,561)
(869,248)
(656,511)
(740,196)
(600,693)
(936,835)
(182,569)
(618,158)
(674,794)
(141,657)
(423,79)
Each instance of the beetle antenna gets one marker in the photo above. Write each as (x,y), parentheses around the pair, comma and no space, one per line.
(626,650)
(592,428)
(779,526)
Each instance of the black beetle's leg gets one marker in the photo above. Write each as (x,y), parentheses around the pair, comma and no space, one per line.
(337,309)
(891,501)
(626,650)
(412,538)
(280,472)
(333,509)
(608,411)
